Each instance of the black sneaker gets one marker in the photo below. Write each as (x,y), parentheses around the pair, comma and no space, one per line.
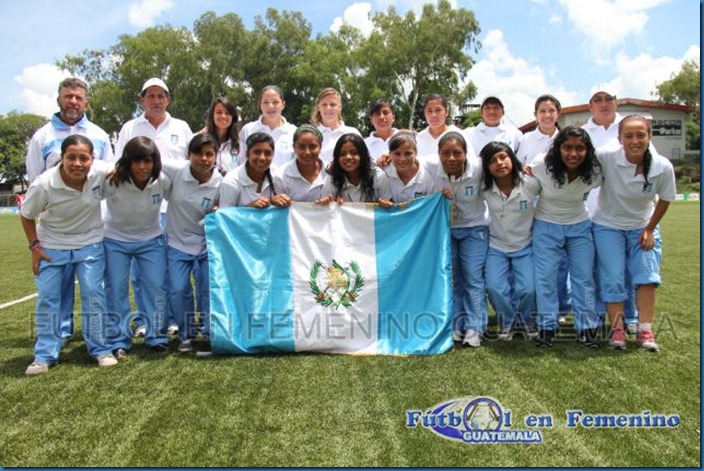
(120,354)
(161,348)
(545,338)
(588,338)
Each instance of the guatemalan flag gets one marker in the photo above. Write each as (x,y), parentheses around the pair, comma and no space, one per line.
(352,278)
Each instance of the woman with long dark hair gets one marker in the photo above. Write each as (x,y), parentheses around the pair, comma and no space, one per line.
(562,226)
(352,177)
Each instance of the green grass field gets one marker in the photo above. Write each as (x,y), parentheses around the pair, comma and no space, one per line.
(334,410)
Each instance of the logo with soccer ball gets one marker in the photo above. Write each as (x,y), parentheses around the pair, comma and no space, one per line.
(473,420)
(482,414)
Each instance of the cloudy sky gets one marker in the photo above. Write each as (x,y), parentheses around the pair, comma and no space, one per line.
(529,47)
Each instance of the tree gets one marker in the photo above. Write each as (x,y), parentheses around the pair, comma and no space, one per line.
(117,74)
(403,59)
(684,88)
(16,129)
(278,45)
(417,56)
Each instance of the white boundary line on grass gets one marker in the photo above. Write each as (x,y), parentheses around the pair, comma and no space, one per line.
(17,301)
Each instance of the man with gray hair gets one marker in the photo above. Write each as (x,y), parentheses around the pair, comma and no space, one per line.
(44,149)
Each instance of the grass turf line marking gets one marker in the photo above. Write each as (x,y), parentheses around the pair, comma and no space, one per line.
(17,301)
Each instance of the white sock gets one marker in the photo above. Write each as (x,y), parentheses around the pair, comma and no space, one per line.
(645,326)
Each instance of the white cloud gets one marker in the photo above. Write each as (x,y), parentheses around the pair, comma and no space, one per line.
(637,77)
(606,24)
(40,84)
(513,79)
(357,15)
(693,53)
(408,5)
(143,13)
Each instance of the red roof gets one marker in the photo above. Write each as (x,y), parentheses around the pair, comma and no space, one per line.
(619,102)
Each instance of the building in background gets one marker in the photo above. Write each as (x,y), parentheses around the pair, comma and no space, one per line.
(668,120)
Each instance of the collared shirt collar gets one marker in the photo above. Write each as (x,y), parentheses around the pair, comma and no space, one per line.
(58,124)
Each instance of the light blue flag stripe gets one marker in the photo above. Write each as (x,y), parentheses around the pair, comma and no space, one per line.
(251,245)
(414,273)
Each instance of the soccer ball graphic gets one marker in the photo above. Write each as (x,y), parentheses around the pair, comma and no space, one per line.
(482,414)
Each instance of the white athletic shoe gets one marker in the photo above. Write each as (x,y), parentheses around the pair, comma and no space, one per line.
(472,338)
(107,361)
(36,368)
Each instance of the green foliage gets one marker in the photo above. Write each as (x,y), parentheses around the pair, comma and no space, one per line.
(685,88)
(412,57)
(341,410)
(16,129)
(403,59)
(471,119)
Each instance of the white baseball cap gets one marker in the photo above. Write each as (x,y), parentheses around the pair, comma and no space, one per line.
(155,82)
(602,88)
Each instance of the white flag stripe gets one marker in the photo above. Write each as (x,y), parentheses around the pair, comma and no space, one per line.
(335,328)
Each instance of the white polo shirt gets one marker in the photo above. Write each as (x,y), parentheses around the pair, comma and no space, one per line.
(171,137)
(625,203)
(190,201)
(225,159)
(283,140)
(468,208)
(534,143)
(482,134)
(602,136)
(133,214)
(510,228)
(427,145)
(420,185)
(44,150)
(353,193)
(296,186)
(565,204)
(377,145)
(330,138)
(68,219)
(237,189)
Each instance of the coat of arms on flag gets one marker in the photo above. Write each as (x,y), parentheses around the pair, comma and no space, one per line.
(336,285)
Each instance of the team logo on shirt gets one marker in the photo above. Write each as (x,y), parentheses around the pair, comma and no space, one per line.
(174,139)
(648,188)
(469,190)
(97,192)
(206,203)
(335,285)
(523,205)
(156,199)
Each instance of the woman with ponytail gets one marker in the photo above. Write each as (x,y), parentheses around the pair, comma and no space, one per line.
(252,183)
(638,187)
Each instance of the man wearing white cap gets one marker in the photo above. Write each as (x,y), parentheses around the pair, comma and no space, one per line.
(602,126)
(171,136)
